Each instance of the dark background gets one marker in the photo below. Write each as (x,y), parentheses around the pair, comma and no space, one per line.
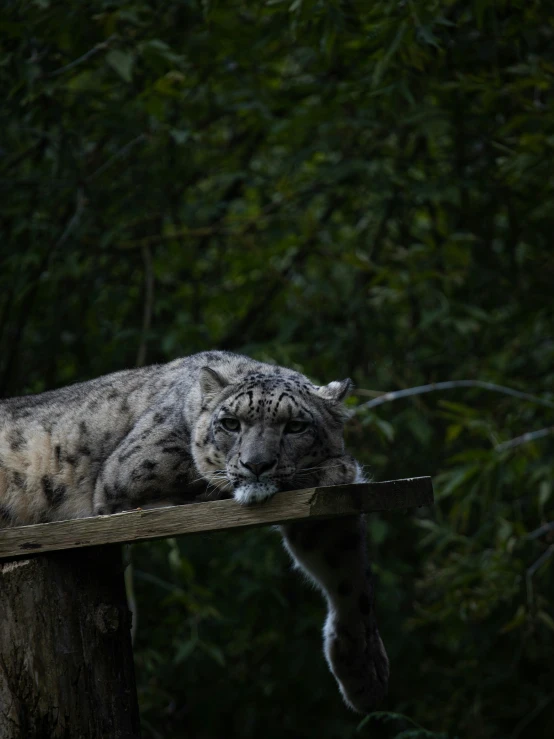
(352,189)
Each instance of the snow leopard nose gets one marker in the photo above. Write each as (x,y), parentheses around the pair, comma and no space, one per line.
(257,468)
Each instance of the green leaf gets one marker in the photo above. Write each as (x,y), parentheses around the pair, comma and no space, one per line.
(184,651)
(545,491)
(457,479)
(122,62)
(179,136)
(518,620)
(386,428)
(384,62)
(214,652)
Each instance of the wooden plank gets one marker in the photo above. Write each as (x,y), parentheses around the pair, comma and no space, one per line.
(157,523)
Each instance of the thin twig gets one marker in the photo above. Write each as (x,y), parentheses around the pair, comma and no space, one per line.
(21,155)
(544,529)
(531,716)
(118,155)
(148,577)
(531,571)
(524,438)
(159,238)
(540,561)
(451,384)
(73,221)
(369,393)
(148,304)
(91,52)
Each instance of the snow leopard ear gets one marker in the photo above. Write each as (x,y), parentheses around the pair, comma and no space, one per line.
(336,391)
(211,382)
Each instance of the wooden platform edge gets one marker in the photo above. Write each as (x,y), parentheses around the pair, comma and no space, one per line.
(219,515)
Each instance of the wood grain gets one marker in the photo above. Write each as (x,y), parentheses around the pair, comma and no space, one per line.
(66,661)
(157,523)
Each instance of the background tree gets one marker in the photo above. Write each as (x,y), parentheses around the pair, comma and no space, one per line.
(348,188)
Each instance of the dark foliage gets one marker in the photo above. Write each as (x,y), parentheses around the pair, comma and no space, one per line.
(351,188)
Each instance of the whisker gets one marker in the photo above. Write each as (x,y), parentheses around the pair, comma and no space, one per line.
(214,488)
(321,467)
(204,477)
(221,484)
(217,484)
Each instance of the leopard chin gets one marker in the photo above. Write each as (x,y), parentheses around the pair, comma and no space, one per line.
(248,493)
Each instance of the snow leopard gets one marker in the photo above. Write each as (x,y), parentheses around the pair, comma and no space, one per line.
(209,426)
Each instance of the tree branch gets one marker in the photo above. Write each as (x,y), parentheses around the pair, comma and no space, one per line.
(524,438)
(540,561)
(531,716)
(91,52)
(544,529)
(450,385)
(118,155)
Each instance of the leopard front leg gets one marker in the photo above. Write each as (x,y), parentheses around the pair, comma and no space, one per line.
(333,555)
(151,465)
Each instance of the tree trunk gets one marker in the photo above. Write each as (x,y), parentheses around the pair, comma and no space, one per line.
(66,662)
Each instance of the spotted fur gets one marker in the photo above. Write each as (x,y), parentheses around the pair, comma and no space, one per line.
(208,426)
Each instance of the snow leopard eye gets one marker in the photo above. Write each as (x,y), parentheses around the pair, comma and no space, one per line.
(296,427)
(229,423)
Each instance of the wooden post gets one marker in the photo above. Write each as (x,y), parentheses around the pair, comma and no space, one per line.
(66,663)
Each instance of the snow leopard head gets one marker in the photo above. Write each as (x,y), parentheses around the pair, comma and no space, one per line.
(266,432)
